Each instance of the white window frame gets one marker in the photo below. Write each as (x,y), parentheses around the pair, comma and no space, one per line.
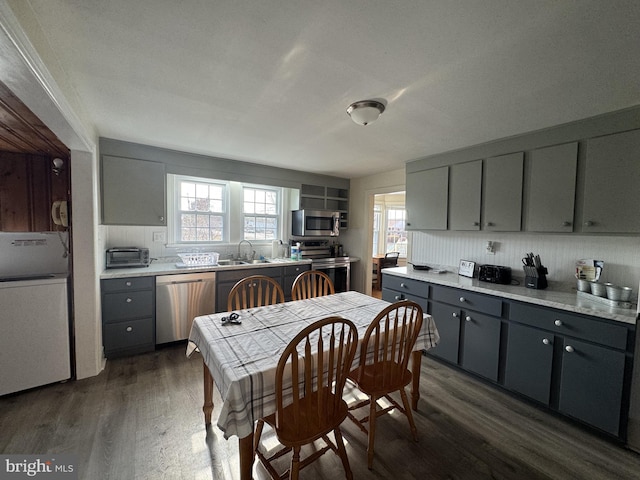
(174,210)
(233,223)
(277,216)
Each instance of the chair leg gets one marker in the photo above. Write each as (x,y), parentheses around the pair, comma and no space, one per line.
(294,471)
(372,430)
(342,453)
(407,411)
(257,435)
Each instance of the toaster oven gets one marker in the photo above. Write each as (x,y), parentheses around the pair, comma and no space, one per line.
(127,257)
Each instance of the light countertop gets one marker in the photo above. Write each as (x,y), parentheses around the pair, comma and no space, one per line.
(170,268)
(558,296)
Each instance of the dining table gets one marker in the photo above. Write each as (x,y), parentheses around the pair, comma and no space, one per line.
(240,353)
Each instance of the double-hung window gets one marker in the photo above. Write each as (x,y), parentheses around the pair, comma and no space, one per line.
(207,211)
(200,210)
(260,209)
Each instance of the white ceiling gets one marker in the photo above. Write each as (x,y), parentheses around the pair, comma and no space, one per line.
(268,81)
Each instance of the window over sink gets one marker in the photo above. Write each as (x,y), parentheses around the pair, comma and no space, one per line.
(204,211)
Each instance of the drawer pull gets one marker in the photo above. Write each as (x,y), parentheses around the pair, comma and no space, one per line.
(462,299)
(467,318)
(128,284)
(129,300)
(569,349)
(129,329)
(402,285)
(454,315)
(546,341)
(398,297)
(558,323)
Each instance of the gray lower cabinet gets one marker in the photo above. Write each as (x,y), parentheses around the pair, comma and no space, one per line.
(529,360)
(128,315)
(289,274)
(226,279)
(470,329)
(447,320)
(573,364)
(395,289)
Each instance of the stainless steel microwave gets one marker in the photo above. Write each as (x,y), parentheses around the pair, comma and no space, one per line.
(315,223)
(124,257)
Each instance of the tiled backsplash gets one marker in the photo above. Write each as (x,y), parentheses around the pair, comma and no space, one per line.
(621,254)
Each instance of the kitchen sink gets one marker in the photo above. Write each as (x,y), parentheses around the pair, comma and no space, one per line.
(256,261)
(231,262)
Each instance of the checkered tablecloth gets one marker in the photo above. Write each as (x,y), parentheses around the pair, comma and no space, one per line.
(242,358)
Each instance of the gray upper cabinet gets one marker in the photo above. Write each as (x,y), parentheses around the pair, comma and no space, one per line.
(465,190)
(426,199)
(503,176)
(611,193)
(552,188)
(133,192)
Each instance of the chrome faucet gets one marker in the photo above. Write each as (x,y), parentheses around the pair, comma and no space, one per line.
(253,252)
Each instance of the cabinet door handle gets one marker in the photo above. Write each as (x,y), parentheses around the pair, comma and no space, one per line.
(558,323)
(128,284)
(402,285)
(398,297)
(129,300)
(569,349)
(588,223)
(462,299)
(546,341)
(129,329)
(454,315)
(467,318)
(475,224)
(566,224)
(489,224)
(161,218)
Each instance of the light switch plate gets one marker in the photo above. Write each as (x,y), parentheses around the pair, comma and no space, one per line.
(159,237)
(466,268)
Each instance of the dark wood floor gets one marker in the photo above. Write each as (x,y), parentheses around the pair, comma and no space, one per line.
(141,419)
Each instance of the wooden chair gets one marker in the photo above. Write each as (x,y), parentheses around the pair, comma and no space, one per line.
(385,351)
(390,260)
(311,283)
(254,291)
(310,408)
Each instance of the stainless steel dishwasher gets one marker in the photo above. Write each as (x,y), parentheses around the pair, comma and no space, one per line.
(179,299)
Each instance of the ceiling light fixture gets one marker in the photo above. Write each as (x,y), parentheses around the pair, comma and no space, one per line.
(365,111)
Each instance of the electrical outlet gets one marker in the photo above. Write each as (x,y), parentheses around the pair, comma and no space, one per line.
(491,250)
(159,237)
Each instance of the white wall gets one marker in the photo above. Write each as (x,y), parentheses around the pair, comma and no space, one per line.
(357,238)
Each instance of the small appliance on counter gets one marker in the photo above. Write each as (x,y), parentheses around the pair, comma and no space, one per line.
(495,274)
(127,257)
(535,273)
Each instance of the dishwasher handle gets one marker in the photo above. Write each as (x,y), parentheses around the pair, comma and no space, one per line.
(197,280)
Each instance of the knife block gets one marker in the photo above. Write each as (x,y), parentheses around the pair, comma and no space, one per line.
(538,281)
